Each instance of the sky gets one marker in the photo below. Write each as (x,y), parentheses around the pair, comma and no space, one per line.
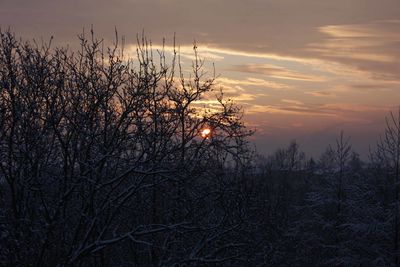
(301,70)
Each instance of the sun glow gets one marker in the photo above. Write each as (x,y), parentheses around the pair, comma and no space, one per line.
(205,133)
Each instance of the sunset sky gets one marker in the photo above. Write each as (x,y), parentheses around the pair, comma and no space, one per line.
(301,70)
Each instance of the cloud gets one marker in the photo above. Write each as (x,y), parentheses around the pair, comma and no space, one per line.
(293,101)
(340,60)
(341,111)
(251,81)
(289,110)
(371,47)
(218,51)
(383,31)
(320,93)
(278,72)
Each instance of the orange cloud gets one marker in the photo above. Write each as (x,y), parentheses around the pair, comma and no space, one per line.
(278,72)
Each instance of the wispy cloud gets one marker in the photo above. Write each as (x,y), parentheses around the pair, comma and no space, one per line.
(293,101)
(321,93)
(379,31)
(342,111)
(251,81)
(218,53)
(278,72)
(371,47)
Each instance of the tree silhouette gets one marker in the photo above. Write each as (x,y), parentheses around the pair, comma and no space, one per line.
(102,159)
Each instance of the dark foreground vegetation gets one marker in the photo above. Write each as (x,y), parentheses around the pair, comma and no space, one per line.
(102,163)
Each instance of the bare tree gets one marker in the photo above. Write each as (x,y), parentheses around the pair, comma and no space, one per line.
(386,160)
(103,162)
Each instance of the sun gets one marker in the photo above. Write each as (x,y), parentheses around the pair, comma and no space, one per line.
(205,133)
